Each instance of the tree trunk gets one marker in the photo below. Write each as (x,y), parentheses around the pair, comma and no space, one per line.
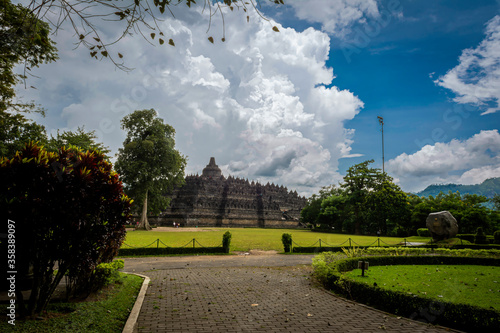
(143,223)
(357,222)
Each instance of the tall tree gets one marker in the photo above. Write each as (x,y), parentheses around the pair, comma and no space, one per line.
(148,163)
(333,214)
(24,38)
(359,180)
(388,209)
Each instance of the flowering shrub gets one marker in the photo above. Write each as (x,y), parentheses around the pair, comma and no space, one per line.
(70,211)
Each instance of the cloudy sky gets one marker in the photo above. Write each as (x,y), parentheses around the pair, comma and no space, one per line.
(299,106)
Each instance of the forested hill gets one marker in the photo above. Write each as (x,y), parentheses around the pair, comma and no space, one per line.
(488,188)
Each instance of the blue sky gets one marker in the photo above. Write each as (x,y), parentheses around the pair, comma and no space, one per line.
(300,106)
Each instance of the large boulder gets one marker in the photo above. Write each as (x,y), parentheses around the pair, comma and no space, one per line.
(442,225)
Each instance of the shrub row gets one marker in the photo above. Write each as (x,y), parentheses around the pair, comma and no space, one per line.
(312,249)
(459,316)
(485,239)
(309,249)
(150,251)
(158,251)
(405,251)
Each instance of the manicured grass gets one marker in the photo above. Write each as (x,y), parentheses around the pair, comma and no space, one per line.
(245,239)
(474,285)
(106,315)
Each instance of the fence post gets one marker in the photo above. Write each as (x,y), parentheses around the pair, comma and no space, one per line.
(157,243)
(350,242)
(320,243)
(405,242)
(193,242)
(378,239)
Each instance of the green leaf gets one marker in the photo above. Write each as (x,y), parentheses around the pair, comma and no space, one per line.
(120,55)
(171,42)
(211,39)
(275,28)
(161,41)
(153,35)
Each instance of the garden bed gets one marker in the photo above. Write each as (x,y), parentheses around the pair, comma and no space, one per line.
(332,273)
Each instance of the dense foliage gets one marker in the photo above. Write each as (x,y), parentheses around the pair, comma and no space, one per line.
(368,201)
(70,211)
(16,129)
(148,163)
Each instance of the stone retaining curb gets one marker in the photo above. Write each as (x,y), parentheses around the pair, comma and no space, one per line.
(134,314)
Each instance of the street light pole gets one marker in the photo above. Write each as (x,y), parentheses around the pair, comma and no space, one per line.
(381,121)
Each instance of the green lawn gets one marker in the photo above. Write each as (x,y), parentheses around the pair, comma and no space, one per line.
(108,314)
(245,239)
(474,285)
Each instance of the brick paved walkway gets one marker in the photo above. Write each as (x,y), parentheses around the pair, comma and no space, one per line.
(255,299)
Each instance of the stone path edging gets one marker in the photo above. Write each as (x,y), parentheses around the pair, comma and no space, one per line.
(134,314)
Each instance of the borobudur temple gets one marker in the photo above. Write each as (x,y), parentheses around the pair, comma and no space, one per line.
(214,200)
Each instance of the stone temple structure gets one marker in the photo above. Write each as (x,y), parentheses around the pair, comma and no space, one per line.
(214,200)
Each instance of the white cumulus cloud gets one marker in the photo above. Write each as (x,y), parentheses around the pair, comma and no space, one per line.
(469,161)
(260,103)
(336,16)
(476,79)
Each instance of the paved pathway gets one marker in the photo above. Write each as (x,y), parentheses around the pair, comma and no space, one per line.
(250,294)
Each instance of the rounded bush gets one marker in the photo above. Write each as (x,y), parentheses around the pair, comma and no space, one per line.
(287,242)
(423,232)
(496,237)
(480,237)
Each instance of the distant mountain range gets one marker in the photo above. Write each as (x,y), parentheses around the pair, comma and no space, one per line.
(488,188)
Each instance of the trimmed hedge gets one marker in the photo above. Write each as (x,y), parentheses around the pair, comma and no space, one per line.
(459,316)
(158,251)
(477,246)
(423,232)
(480,237)
(286,239)
(467,237)
(309,249)
(150,251)
(312,249)
(226,241)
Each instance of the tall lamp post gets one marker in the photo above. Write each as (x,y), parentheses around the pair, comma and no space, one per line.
(381,121)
